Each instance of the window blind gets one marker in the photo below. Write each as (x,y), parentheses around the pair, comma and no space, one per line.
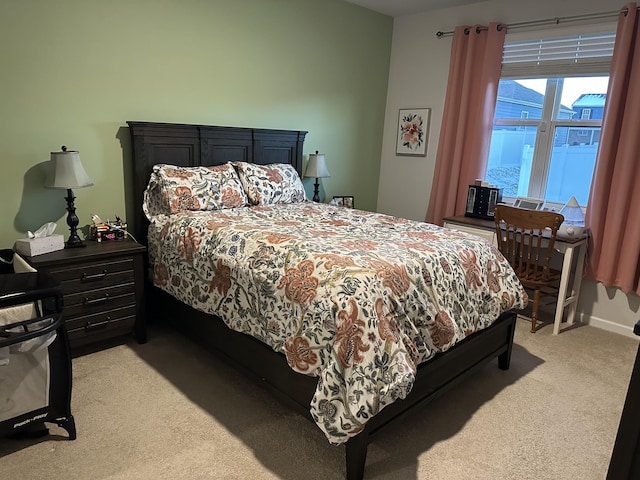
(554,57)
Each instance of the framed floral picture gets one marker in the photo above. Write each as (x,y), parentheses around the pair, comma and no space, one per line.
(413,131)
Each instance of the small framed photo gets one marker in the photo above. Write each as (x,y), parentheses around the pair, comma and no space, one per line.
(344,201)
(413,131)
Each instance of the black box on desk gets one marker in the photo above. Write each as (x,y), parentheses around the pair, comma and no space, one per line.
(481,201)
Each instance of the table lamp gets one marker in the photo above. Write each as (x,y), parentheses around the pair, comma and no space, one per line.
(316,168)
(67,173)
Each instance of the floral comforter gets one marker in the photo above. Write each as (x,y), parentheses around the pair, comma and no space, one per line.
(355,298)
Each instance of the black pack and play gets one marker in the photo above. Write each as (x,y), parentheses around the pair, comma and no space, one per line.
(35,363)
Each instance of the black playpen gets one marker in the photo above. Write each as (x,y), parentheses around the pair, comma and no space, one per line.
(35,363)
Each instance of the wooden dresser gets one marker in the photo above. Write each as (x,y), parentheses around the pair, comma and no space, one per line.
(103,289)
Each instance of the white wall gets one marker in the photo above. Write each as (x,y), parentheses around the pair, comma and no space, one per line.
(418,78)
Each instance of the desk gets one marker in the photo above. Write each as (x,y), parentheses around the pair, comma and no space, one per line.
(569,248)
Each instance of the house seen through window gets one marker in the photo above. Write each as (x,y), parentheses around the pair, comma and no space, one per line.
(548,119)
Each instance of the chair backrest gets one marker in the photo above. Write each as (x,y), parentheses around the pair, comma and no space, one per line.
(526,238)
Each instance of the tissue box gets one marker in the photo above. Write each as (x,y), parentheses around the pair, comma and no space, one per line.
(37,246)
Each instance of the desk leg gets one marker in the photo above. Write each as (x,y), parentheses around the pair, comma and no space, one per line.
(577,282)
(562,293)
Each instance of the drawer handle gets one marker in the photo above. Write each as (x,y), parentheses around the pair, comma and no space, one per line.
(96,276)
(97,325)
(88,301)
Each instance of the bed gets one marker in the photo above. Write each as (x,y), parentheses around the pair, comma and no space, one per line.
(353,318)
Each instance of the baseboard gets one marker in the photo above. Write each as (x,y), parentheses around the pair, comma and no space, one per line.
(608,325)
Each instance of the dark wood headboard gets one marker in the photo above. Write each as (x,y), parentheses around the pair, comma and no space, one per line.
(196,145)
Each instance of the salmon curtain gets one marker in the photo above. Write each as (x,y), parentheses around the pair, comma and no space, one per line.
(467,122)
(613,212)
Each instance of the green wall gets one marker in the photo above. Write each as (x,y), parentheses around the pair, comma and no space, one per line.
(74,71)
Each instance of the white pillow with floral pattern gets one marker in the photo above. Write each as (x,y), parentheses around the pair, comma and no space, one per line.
(173,189)
(271,184)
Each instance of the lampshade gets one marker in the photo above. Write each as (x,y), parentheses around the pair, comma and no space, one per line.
(67,171)
(572,212)
(573,225)
(317,167)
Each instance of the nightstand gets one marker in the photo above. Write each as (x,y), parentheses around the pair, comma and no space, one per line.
(103,289)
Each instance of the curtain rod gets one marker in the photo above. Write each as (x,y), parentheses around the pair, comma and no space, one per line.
(551,21)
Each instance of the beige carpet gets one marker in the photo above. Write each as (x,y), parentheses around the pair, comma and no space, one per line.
(169,410)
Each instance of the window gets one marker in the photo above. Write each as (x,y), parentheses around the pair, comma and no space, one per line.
(550,152)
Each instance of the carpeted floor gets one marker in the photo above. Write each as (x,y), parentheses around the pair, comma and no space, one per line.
(170,410)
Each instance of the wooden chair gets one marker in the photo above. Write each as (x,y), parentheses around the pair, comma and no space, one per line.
(526,239)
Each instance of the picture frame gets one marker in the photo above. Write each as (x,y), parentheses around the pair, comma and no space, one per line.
(412,134)
(344,201)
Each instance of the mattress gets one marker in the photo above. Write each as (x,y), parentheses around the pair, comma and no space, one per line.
(357,299)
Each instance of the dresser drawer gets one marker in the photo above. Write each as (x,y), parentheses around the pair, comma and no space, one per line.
(100,320)
(92,301)
(104,324)
(488,235)
(91,276)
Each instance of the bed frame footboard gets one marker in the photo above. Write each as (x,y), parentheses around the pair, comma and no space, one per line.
(259,360)
(434,378)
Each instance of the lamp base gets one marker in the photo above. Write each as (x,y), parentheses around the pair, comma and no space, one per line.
(74,243)
(72,220)
(316,191)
